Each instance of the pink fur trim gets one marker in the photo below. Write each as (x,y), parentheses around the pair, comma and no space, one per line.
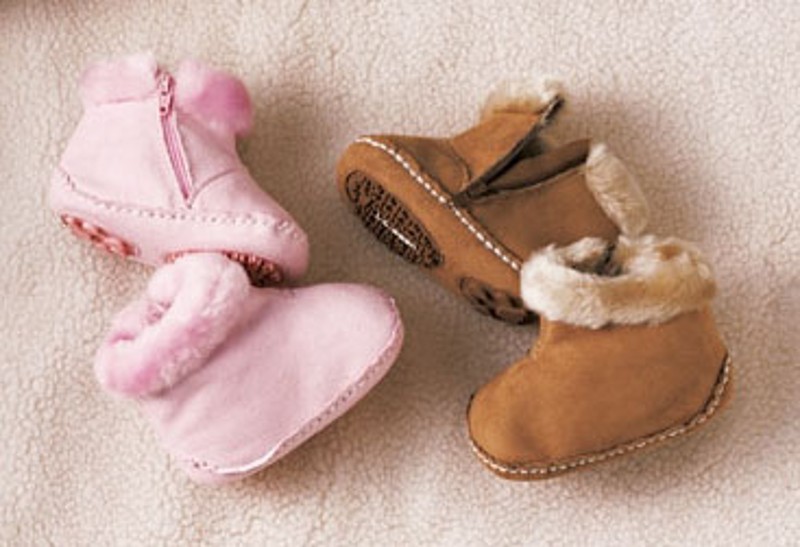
(188,310)
(213,97)
(125,79)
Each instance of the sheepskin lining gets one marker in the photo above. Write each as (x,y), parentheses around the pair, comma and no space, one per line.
(212,96)
(524,97)
(646,280)
(612,184)
(188,310)
(616,190)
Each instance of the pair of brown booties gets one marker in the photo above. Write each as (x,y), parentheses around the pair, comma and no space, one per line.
(628,354)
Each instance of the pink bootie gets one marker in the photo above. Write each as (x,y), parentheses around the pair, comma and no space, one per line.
(152,171)
(232,377)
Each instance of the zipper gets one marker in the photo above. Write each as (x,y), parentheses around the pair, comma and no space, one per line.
(169,129)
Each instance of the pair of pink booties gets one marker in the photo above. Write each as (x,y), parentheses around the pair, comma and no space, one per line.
(232,376)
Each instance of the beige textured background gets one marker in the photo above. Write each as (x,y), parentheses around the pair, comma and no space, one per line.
(701,98)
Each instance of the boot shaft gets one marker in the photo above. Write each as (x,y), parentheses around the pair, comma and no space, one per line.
(232,377)
(152,138)
(482,151)
(152,171)
(628,355)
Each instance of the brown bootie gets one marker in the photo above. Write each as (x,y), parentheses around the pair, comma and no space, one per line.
(628,356)
(467,208)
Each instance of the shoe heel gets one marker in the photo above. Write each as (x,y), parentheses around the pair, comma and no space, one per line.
(99,237)
(260,271)
(494,302)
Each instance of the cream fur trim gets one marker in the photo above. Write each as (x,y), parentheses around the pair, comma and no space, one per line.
(638,281)
(518,96)
(616,190)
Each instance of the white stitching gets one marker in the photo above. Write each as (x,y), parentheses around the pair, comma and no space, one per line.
(221,218)
(481,236)
(711,407)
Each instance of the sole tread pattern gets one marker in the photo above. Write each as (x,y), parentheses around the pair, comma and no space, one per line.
(262,272)
(99,237)
(391,222)
(495,303)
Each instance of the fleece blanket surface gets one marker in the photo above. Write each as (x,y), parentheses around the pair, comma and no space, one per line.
(701,99)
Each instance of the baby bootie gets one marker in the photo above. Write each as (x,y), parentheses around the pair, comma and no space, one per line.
(628,356)
(152,171)
(233,377)
(467,208)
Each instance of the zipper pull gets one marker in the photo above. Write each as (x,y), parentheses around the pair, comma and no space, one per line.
(165,94)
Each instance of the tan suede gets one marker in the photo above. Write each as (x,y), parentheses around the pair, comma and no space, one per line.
(560,211)
(463,255)
(403,188)
(482,146)
(581,393)
(534,168)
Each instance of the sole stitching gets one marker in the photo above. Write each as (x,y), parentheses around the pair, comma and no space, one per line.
(222,218)
(485,239)
(708,410)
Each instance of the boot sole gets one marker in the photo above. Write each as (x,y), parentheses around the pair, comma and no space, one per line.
(261,272)
(719,398)
(393,223)
(495,303)
(99,237)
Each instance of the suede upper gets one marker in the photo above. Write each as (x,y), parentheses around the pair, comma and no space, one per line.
(153,162)
(233,377)
(627,350)
(488,197)
(581,391)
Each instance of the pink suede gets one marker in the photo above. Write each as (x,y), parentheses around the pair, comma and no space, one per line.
(153,163)
(289,362)
(127,79)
